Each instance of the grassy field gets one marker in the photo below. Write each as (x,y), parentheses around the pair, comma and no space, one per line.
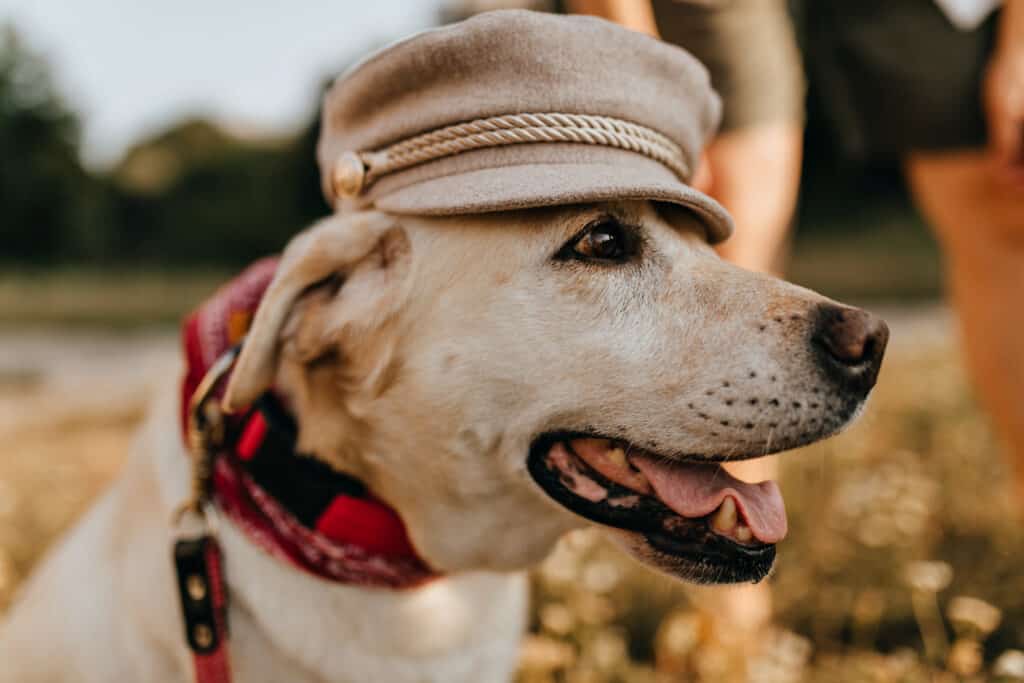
(902,565)
(93,297)
(893,525)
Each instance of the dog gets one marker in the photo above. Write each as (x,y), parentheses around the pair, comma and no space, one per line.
(513,324)
(500,380)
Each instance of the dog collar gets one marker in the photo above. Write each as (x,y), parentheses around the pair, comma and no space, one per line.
(301,510)
(293,506)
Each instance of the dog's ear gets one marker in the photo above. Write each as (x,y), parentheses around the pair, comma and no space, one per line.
(351,257)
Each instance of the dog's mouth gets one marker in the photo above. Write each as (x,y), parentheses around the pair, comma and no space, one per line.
(690,518)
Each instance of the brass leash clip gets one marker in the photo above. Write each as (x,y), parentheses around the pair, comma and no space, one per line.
(205,435)
(197,557)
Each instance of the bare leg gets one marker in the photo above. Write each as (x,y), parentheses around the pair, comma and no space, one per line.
(755,175)
(629,13)
(979,220)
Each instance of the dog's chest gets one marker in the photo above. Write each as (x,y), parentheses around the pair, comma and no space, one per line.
(288,626)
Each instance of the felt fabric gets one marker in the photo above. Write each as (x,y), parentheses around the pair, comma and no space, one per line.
(520,62)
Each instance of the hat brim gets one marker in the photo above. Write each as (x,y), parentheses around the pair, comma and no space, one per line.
(533,185)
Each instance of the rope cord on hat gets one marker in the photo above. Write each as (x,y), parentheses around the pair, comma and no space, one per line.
(512,129)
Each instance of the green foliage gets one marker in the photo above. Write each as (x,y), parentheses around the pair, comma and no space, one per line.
(45,195)
(191,195)
(197,195)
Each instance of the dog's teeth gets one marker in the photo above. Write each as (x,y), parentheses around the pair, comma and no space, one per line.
(617,456)
(743,533)
(725,517)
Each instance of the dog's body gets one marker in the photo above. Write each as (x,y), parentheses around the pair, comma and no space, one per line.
(431,358)
(104,606)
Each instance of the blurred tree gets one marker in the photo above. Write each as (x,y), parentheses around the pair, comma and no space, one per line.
(47,200)
(194,194)
(197,194)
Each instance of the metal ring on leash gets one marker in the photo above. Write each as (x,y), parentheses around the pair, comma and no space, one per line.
(205,433)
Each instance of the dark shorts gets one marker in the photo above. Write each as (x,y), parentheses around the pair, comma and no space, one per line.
(888,76)
(894,77)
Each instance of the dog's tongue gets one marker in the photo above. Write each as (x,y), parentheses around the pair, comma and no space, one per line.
(697,490)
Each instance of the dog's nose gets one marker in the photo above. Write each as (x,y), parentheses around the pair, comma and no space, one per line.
(852,342)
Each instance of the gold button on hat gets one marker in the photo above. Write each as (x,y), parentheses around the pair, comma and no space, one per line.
(348,175)
(514,110)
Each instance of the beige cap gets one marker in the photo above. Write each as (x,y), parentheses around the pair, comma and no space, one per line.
(517,109)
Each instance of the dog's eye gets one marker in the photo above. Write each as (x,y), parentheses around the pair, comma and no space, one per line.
(603,240)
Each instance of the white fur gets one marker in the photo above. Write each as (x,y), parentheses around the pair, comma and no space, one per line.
(450,345)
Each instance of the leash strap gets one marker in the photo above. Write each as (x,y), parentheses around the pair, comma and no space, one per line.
(198,561)
(203,597)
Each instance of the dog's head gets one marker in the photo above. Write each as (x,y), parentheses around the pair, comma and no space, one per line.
(500,378)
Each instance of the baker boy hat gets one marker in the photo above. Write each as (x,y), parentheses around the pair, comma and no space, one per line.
(518,109)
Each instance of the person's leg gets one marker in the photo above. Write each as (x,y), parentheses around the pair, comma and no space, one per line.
(979,221)
(753,169)
(755,175)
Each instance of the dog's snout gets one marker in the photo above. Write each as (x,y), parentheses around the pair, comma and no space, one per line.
(853,342)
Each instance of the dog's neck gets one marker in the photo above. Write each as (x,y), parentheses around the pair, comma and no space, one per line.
(285,620)
(340,632)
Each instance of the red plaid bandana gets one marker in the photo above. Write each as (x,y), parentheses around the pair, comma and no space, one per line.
(345,534)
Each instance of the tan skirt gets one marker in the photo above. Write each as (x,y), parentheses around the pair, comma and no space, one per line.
(750,49)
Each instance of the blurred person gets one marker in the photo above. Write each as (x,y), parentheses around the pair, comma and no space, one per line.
(938,88)
(921,83)
(752,167)
(956,122)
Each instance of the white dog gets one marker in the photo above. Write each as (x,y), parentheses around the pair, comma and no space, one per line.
(499,380)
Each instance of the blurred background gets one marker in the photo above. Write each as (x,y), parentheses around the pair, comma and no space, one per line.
(149,150)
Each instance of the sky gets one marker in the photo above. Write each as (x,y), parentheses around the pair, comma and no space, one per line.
(133,67)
